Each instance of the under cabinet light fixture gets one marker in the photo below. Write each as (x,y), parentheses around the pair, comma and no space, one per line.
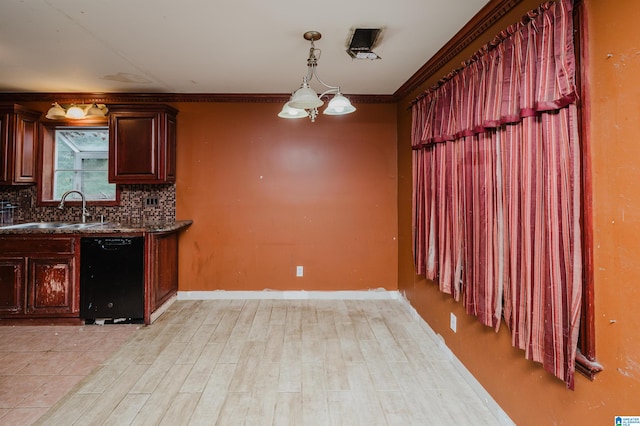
(305,102)
(77,112)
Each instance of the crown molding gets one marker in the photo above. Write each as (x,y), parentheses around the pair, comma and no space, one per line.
(480,23)
(116,98)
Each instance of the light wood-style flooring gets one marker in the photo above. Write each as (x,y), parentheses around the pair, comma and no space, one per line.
(39,365)
(276,362)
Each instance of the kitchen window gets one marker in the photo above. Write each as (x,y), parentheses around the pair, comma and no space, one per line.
(76,157)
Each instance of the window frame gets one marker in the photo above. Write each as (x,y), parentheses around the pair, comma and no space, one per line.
(586,362)
(47,158)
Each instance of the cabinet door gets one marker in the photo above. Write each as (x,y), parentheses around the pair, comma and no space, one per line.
(133,147)
(142,144)
(164,268)
(12,286)
(26,149)
(19,145)
(51,285)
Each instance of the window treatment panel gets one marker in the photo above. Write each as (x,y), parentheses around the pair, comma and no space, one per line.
(496,187)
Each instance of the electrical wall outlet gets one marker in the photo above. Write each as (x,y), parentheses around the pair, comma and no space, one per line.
(150,202)
(453,322)
(299,271)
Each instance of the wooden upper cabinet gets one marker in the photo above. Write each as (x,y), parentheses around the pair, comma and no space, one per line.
(142,144)
(18,145)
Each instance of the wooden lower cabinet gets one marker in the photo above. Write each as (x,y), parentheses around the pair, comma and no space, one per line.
(38,277)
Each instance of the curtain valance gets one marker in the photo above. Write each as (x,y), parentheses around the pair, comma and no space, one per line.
(528,68)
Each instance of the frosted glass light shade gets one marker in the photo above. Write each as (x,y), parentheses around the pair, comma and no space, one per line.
(56,112)
(305,98)
(339,105)
(75,112)
(290,112)
(95,111)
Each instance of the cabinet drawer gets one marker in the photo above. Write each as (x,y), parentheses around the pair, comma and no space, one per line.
(30,246)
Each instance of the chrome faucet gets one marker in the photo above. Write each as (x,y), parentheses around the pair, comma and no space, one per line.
(85,213)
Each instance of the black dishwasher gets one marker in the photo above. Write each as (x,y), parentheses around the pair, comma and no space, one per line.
(112,279)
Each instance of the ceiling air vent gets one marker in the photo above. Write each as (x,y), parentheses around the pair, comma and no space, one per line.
(361,42)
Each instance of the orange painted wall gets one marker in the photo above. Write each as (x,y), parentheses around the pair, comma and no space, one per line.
(268,194)
(527,393)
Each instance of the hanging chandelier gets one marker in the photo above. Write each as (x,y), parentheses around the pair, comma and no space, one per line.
(305,102)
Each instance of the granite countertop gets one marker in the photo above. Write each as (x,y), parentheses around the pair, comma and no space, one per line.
(39,228)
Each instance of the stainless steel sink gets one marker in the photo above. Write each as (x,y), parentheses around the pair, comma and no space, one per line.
(84,225)
(38,225)
(53,225)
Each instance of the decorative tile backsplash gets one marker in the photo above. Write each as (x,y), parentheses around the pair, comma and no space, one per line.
(138,204)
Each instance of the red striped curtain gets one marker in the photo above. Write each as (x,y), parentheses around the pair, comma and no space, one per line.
(496,178)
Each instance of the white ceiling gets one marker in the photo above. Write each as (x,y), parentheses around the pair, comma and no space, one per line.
(213,46)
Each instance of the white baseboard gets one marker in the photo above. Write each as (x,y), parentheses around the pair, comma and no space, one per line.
(372,294)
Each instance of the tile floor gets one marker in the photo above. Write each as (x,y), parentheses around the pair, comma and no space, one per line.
(250,362)
(41,364)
